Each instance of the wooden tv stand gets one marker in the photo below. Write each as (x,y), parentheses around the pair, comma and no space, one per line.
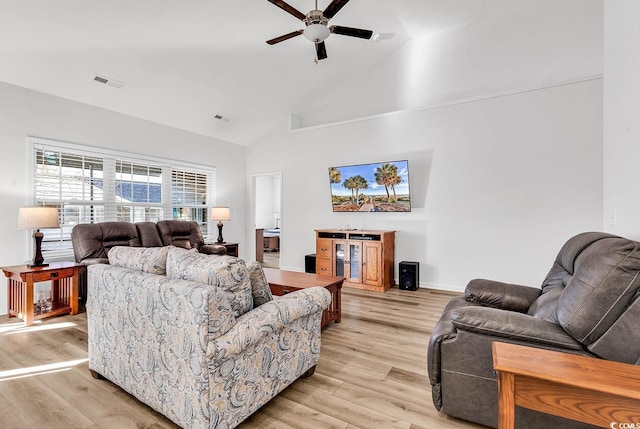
(364,257)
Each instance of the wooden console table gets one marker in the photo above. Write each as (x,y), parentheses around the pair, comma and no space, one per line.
(589,390)
(64,277)
(282,282)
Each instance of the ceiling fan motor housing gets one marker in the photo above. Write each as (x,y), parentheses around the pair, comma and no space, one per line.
(316,17)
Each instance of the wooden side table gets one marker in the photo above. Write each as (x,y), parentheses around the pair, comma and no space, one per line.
(594,391)
(64,277)
(232,249)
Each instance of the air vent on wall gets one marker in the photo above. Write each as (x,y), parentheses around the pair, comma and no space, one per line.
(107,81)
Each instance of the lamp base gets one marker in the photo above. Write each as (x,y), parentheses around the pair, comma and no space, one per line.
(220,239)
(37,265)
(38,260)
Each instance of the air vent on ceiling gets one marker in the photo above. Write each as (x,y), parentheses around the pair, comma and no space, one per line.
(221,118)
(107,81)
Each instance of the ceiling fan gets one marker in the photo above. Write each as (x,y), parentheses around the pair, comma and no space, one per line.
(316,28)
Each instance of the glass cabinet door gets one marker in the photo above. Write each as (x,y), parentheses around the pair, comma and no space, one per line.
(354,262)
(338,249)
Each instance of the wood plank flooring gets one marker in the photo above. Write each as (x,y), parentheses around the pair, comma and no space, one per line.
(372,374)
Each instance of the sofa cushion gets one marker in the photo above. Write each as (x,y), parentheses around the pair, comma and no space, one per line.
(260,290)
(148,259)
(227,272)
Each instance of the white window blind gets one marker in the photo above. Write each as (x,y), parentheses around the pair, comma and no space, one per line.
(70,182)
(189,197)
(90,185)
(138,190)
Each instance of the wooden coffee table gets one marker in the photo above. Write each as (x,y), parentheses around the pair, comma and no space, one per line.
(283,282)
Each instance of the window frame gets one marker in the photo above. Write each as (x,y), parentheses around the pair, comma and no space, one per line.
(109,160)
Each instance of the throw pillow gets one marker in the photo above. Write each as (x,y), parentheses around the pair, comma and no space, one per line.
(148,259)
(226,272)
(260,290)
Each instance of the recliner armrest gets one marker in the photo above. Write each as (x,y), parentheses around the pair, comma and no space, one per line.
(213,249)
(512,325)
(500,295)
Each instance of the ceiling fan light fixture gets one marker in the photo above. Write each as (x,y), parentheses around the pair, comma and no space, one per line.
(316,32)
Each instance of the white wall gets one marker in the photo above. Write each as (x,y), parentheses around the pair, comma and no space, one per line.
(28,113)
(621,117)
(498,185)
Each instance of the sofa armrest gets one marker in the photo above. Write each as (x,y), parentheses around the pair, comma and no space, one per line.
(512,325)
(505,296)
(270,317)
(213,249)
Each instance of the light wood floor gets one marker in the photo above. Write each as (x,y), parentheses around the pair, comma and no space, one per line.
(372,374)
(271,260)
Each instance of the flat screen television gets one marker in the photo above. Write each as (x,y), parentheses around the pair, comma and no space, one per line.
(376,187)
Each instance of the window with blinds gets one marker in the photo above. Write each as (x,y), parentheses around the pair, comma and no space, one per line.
(138,192)
(89,186)
(189,196)
(71,182)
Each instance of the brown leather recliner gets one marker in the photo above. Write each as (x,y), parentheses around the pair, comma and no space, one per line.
(589,304)
(92,241)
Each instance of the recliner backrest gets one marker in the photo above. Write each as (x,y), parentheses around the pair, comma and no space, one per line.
(148,234)
(593,282)
(604,283)
(94,240)
(561,273)
(180,233)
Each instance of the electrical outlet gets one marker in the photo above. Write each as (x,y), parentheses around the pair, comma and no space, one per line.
(611,217)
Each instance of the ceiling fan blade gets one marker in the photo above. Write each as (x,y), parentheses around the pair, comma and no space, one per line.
(350,31)
(321,50)
(284,37)
(288,8)
(333,8)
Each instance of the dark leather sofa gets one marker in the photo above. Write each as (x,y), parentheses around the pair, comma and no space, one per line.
(92,241)
(589,304)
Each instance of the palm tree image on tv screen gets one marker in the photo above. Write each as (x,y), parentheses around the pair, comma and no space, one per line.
(377,187)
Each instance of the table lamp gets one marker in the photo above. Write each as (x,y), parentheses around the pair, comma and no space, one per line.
(36,218)
(220,214)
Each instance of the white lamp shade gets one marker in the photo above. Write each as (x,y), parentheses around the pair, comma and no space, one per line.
(316,32)
(220,213)
(38,217)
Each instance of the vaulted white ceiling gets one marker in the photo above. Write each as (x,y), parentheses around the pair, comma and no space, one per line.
(184,61)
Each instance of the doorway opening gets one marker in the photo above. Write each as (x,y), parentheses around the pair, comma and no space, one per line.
(267,198)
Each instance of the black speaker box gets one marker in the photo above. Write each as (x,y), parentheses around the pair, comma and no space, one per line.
(409,275)
(310,263)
